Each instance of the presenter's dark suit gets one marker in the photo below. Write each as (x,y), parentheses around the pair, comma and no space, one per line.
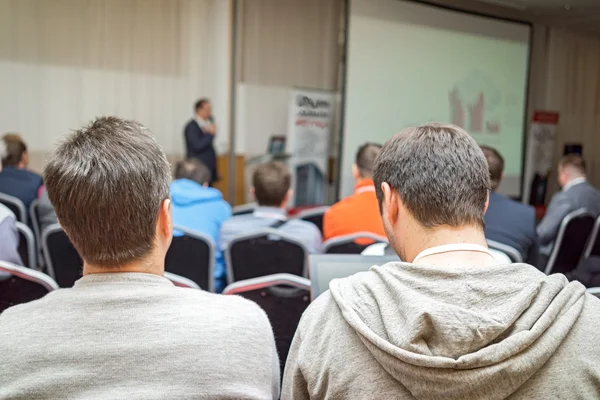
(199,145)
(512,224)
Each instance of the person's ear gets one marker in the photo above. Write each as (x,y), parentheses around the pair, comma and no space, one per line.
(487,203)
(390,204)
(24,159)
(253,193)
(355,172)
(287,198)
(205,184)
(165,223)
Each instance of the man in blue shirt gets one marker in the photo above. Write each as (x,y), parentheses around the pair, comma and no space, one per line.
(15,179)
(200,208)
(506,221)
(271,189)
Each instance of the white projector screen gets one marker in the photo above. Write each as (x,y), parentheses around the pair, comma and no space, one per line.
(410,63)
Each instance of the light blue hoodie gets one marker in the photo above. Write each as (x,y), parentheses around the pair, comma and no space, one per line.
(201,209)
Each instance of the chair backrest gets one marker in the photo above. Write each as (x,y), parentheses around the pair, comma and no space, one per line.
(593,246)
(192,256)
(247,208)
(35,220)
(314,216)
(347,244)
(181,281)
(284,298)
(62,260)
(512,253)
(20,285)
(594,291)
(571,241)
(264,252)
(26,245)
(16,206)
(323,268)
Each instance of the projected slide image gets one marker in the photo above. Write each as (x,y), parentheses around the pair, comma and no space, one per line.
(473,102)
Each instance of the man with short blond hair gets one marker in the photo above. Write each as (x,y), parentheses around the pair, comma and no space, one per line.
(123,330)
(450,322)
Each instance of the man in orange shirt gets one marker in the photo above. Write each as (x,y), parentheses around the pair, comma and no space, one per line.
(360,211)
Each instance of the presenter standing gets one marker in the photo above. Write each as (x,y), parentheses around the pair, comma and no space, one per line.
(199,134)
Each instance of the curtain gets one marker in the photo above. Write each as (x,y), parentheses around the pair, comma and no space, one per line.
(573,89)
(63,62)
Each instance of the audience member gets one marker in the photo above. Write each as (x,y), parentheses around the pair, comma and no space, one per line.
(450,323)
(46,213)
(15,179)
(200,208)
(360,211)
(123,330)
(271,189)
(507,221)
(9,237)
(576,193)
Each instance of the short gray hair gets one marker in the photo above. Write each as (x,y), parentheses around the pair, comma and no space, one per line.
(439,172)
(107,182)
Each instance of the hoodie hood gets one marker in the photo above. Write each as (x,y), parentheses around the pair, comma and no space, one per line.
(185,192)
(461,332)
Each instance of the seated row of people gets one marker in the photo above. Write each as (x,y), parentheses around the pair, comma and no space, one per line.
(450,322)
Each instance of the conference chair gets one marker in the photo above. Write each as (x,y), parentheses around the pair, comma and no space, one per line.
(323,268)
(247,208)
(26,245)
(351,244)
(284,298)
(570,244)
(192,255)
(314,216)
(21,284)
(264,252)
(512,253)
(16,206)
(181,281)
(592,249)
(594,291)
(63,263)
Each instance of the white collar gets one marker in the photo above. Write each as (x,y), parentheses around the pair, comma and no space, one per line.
(451,247)
(573,182)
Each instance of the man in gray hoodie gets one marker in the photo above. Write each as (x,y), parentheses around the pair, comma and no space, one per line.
(450,323)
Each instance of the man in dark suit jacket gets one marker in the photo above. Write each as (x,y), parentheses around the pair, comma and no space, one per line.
(199,134)
(507,221)
(15,179)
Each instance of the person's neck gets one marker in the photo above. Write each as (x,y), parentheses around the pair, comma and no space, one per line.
(145,266)
(447,235)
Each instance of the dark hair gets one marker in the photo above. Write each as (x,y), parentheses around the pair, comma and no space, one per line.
(574,161)
(194,170)
(271,183)
(200,104)
(495,165)
(107,182)
(15,148)
(439,173)
(365,158)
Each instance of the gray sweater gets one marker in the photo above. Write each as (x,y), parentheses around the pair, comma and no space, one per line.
(403,331)
(136,336)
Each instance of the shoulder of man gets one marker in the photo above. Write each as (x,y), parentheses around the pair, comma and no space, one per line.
(5,212)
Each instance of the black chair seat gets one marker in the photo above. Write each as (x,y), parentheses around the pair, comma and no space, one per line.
(62,260)
(20,285)
(570,243)
(192,256)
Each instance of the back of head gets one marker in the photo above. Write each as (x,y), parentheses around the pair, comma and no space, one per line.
(271,184)
(573,165)
(365,159)
(439,173)
(107,182)
(495,164)
(15,150)
(193,170)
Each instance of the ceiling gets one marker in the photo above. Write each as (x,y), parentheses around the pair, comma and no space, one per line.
(583,15)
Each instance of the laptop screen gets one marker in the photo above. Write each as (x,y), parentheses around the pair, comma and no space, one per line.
(326,267)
